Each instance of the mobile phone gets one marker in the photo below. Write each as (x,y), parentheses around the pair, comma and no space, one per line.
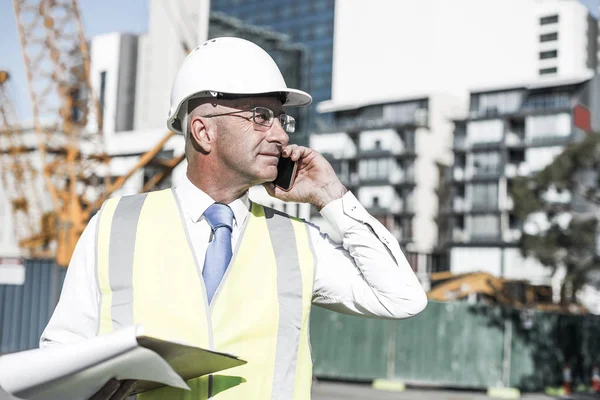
(286,173)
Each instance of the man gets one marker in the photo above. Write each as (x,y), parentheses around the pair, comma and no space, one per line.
(202,264)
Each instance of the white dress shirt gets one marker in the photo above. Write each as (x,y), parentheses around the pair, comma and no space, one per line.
(366,274)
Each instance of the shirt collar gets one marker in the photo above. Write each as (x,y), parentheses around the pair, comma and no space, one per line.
(194,202)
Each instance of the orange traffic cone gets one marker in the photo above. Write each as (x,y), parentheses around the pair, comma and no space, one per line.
(567,379)
(596,379)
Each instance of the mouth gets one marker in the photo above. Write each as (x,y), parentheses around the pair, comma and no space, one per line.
(270,154)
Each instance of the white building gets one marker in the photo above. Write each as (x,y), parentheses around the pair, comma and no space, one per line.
(410,47)
(509,132)
(113,76)
(420,48)
(387,152)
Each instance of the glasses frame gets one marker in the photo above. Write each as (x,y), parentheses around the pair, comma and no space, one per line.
(288,123)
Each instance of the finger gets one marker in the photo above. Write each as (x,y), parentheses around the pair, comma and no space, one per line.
(107,390)
(127,386)
(300,152)
(287,151)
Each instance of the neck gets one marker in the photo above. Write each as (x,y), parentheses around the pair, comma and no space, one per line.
(215,184)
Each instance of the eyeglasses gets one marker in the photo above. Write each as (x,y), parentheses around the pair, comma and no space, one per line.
(264,117)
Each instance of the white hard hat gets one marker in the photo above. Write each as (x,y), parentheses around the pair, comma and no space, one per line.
(228,66)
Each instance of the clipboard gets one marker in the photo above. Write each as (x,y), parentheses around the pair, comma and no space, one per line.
(77,371)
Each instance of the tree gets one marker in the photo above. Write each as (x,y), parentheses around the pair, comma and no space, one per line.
(560,210)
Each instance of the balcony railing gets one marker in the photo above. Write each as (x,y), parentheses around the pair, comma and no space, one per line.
(487,172)
(380,180)
(549,140)
(484,206)
(485,237)
(384,153)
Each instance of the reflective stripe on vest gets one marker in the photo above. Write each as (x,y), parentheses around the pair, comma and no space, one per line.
(148,275)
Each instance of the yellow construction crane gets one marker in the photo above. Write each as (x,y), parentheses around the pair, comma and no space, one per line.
(68,123)
(19,178)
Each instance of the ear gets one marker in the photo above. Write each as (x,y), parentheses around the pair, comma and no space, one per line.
(202,134)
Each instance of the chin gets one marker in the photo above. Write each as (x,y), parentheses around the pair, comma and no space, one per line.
(265,173)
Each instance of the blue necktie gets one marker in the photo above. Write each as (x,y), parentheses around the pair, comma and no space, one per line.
(218,254)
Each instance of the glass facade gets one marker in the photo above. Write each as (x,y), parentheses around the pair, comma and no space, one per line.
(307,22)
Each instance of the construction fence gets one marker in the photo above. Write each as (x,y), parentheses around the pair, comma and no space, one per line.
(449,344)
(458,345)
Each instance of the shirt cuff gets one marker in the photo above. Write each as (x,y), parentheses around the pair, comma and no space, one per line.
(345,213)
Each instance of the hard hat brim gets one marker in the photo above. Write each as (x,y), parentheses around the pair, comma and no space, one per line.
(293,98)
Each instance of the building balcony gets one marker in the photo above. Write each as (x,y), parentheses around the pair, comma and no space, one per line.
(484,207)
(459,173)
(549,140)
(485,237)
(460,206)
(514,170)
(393,210)
(511,235)
(491,145)
(356,125)
(487,173)
(350,180)
(509,203)
(460,143)
(460,236)
(396,181)
(383,153)
(514,139)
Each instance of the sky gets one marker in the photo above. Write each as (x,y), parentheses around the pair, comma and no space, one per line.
(98,17)
(593,6)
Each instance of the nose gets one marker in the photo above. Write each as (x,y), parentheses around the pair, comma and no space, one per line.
(277,134)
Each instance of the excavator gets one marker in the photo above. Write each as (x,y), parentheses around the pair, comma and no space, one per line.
(484,287)
(59,179)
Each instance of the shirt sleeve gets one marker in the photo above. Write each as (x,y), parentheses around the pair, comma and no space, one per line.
(366,274)
(75,317)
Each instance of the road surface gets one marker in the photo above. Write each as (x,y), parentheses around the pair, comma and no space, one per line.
(351,391)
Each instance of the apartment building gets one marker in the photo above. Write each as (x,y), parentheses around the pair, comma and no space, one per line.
(387,154)
(509,132)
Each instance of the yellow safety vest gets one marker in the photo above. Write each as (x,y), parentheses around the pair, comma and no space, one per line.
(148,275)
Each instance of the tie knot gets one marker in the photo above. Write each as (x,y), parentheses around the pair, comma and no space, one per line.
(219,215)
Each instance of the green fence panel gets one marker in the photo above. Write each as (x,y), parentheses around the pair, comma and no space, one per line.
(347,347)
(457,344)
(450,344)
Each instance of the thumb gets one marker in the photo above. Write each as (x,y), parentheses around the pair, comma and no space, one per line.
(270,187)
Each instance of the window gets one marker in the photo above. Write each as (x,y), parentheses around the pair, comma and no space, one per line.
(496,103)
(377,144)
(513,221)
(101,97)
(485,227)
(484,195)
(547,71)
(550,19)
(548,37)
(544,126)
(485,131)
(486,162)
(544,55)
(459,222)
(375,202)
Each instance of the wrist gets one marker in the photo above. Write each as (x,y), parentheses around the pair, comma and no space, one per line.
(328,194)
